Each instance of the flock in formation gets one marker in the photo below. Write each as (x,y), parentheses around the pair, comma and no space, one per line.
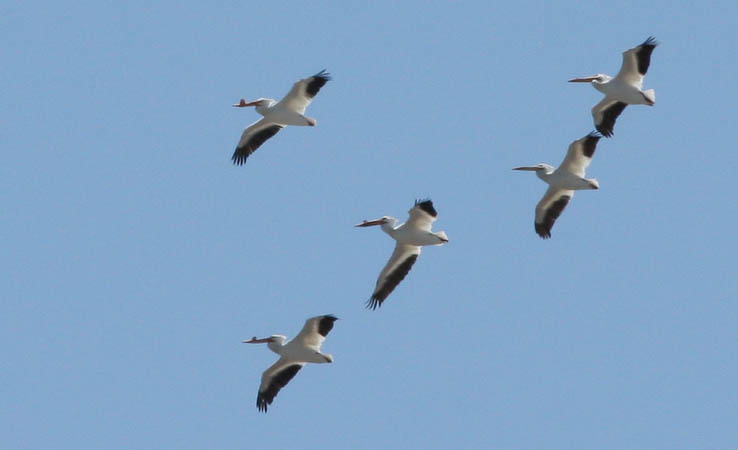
(620,91)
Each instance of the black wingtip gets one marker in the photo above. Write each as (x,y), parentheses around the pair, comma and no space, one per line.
(373,303)
(589,143)
(238,158)
(651,41)
(316,82)
(261,403)
(605,132)
(325,324)
(426,205)
(324,75)
(610,115)
(542,231)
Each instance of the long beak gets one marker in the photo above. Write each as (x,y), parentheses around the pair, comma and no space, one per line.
(369,223)
(244,103)
(533,169)
(253,340)
(582,80)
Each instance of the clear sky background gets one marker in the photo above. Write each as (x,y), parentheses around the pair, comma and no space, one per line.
(136,257)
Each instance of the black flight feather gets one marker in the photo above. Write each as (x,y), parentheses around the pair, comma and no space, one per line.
(279,380)
(325,324)
(243,152)
(643,54)
(391,282)
(552,213)
(427,206)
(609,115)
(590,143)
(318,81)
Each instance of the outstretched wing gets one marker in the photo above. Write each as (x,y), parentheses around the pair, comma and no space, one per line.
(256,134)
(605,113)
(303,91)
(549,209)
(636,61)
(422,215)
(275,378)
(580,154)
(396,270)
(315,330)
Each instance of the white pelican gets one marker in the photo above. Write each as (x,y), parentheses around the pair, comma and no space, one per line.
(623,90)
(410,236)
(303,349)
(288,111)
(563,181)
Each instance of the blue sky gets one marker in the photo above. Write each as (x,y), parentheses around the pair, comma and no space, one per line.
(136,256)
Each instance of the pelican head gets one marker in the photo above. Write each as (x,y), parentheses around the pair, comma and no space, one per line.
(381,221)
(258,102)
(539,167)
(275,342)
(254,340)
(261,104)
(542,170)
(595,79)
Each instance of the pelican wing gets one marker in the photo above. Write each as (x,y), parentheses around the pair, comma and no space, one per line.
(275,378)
(605,113)
(422,215)
(303,91)
(549,209)
(315,330)
(580,154)
(256,134)
(397,268)
(636,62)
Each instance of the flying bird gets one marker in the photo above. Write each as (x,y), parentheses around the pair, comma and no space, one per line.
(563,181)
(623,90)
(288,111)
(293,355)
(410,236)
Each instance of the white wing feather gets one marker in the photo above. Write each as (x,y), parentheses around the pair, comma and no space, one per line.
(575,161)
(253,129)
(309,335)
(629,69)
(420,219)
(297,99)
(401,253)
